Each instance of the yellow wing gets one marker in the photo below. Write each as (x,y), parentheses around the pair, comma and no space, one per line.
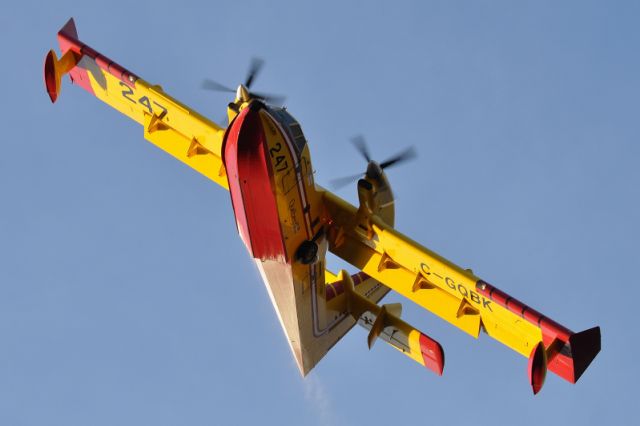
(455,294)
(167,123)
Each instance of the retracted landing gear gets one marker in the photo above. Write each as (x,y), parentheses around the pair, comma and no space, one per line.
(307,253)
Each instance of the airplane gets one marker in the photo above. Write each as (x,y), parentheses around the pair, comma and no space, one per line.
(288,223)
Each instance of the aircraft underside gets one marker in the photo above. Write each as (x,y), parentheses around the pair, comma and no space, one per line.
(288,224)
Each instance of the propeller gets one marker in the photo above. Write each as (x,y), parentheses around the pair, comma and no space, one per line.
(254,69)
(361,145)
(374,170)
(406,155)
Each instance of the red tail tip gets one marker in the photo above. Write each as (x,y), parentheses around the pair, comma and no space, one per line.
(432,354)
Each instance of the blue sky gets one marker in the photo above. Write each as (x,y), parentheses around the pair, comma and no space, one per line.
(126,297)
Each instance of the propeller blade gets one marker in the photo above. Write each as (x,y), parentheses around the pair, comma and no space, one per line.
(208,84)
(269,98)
(360,144)
(405,155)
(254,69)
(344,181)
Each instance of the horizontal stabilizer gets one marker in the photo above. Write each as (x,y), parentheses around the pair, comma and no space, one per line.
(383,322)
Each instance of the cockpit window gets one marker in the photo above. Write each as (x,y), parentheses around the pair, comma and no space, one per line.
(291,125)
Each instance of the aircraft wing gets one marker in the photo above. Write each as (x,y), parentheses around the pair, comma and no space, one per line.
(456,294)
(167,123)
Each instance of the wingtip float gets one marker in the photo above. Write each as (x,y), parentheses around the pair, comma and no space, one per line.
(288,224)
(54,69)
(569,358)
(560,350)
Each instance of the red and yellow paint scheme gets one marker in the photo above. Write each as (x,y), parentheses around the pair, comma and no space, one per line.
(288,224)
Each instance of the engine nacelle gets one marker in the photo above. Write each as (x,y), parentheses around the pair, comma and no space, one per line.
(375,198)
